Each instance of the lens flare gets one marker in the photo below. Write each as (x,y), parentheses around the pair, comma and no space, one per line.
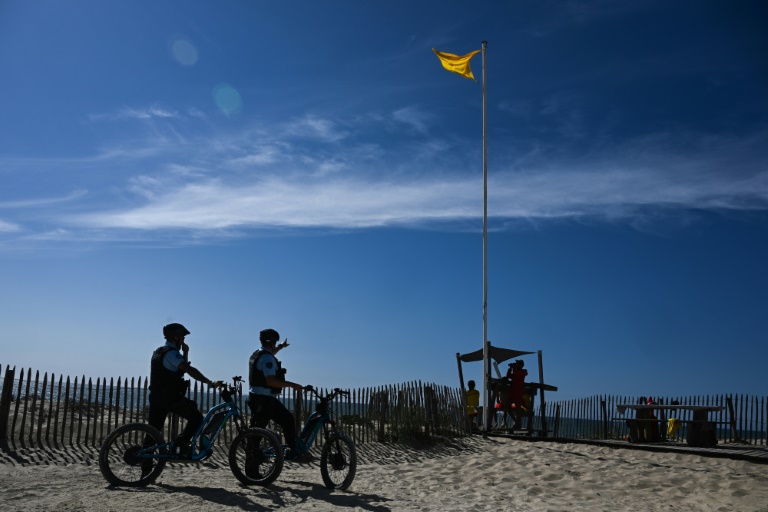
(227,99)
(184,51)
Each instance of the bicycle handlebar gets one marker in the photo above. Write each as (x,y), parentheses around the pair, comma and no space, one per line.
(329,396)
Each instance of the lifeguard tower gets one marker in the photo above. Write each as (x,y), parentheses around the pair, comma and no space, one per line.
(497,389)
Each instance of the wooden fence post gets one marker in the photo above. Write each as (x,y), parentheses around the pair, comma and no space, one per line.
(51,414)
(383,412)
(5,403)
(80,412)
(604,414)
(41,416)
(298,405)
(736,436)
(463,394)
(543,405)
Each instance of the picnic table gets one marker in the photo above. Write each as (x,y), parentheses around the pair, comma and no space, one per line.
(644,428)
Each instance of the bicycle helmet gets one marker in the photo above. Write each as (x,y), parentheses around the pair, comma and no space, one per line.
(269,336)
(174,331)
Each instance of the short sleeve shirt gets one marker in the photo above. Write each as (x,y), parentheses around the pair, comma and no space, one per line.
(173,358)
(267,364)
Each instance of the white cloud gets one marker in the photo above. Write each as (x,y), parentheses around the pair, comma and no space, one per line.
(357,203)
(258,156)
(413,117)
(216,184)
(315,128)
(36,203)
(144,113)
(8,227)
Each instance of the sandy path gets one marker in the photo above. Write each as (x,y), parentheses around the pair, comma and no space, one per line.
(493,474)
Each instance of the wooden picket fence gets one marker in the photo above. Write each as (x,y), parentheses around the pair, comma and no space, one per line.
(58,411)
(743,419)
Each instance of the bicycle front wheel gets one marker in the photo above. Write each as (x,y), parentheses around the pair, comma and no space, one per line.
(132,455)
(256,457)
(338,462)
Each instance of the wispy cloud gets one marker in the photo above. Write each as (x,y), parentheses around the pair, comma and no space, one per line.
(38,202)
(414,118)
(214,185)
(8,227)
(143,113)
(315,128)
(606,190)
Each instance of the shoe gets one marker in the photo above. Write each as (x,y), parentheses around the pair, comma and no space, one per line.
(252,471)
(183,450)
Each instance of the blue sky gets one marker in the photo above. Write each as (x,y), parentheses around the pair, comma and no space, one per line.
(309,166)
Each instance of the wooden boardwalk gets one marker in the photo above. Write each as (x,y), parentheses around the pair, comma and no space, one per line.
(757,454)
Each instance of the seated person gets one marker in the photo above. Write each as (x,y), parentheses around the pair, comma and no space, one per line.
(516,375)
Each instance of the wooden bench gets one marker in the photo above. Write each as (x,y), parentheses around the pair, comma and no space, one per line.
(644,428)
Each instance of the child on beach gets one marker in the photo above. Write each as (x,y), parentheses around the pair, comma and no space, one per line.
(473,402)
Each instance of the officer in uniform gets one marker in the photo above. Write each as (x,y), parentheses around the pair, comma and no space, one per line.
(266,379)
(168,389)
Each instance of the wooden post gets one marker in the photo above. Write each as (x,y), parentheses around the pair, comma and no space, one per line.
(529,427)
(132,402)
(98,415)
(543,406)
(117,401)
(87,412)
(80,412)
(381,409)
(556,428)
(298,404)
(33,409)
(51,414)
(5,403)
(736,435)
(41,416)
(604,417)
(488,411)
(468,421)
(26,408)
(111,402)
(145,401)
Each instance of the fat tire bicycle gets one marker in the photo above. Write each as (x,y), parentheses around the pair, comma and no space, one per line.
(135,454)
(338,457)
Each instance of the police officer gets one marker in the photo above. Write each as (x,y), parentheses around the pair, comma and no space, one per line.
(167,387)
(266,379)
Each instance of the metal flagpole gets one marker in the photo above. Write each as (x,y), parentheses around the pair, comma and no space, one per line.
(486,355)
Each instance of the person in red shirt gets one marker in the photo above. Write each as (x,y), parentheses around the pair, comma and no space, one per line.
(516,375)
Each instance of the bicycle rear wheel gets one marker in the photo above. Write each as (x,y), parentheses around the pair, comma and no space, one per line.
(256,457)
(128,456)
(338,462)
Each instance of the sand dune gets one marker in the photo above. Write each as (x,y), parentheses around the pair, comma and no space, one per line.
(473,474)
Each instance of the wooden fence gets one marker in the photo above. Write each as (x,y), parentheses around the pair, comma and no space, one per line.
(58,411)
(743,419)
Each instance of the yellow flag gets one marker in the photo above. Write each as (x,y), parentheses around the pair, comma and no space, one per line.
(457,64)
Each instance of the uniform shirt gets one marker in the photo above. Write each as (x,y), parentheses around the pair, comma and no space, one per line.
(267,364)
(172,358)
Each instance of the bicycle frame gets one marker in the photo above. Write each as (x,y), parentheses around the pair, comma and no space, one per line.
(322,417)
(229,395)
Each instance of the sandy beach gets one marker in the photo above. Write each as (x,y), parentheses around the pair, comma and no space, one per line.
(472,474)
